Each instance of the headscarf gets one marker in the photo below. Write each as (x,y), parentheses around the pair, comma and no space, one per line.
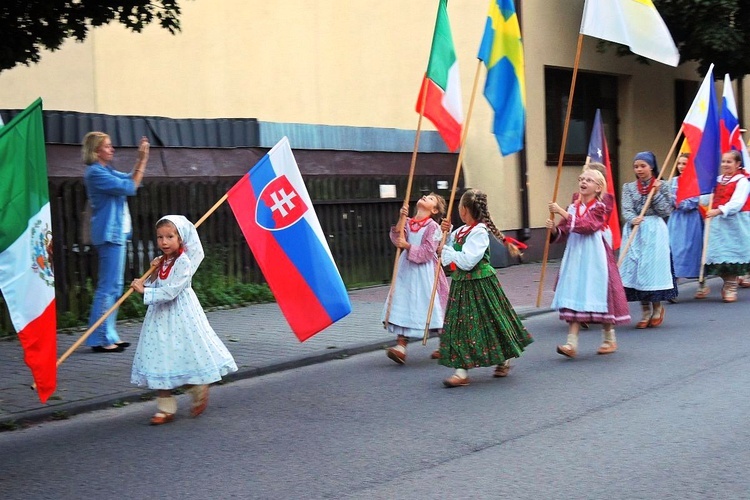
(191,243)
(649,158)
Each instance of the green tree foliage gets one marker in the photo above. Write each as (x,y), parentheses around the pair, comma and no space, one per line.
(711,31)
(28,27)
(708,31)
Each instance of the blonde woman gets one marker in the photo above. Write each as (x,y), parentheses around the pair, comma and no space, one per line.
(107,190)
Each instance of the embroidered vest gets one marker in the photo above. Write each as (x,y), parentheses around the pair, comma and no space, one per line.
(724,192)
(483,269)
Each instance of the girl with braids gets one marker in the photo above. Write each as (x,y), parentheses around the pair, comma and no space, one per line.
(480,328)
(588,259)
(410,294)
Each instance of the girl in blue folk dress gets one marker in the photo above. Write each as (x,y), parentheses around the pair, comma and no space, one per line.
(589,288)
(646,269)
(685,230)
(177,346)
(728,252)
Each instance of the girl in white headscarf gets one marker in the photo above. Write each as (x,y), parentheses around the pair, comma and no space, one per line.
(177,346)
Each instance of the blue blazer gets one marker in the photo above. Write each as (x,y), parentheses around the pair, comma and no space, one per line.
(108,190)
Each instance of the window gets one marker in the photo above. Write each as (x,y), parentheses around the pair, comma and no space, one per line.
(593,90)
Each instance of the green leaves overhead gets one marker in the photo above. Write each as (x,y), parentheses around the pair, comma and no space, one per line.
(30,26)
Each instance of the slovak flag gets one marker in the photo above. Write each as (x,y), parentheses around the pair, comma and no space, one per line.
(701,128)
(599,152)
(277,217)
(731,137)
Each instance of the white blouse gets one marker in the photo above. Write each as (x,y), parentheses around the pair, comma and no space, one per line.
(472,251)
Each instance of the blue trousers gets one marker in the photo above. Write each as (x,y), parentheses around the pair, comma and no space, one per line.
(108,290)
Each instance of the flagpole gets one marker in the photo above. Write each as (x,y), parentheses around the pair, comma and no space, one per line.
(452,197)
(124,297)
(704,251)
(559,165)
(402,218)
(651,194)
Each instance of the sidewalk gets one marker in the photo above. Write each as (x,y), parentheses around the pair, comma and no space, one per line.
(257,336)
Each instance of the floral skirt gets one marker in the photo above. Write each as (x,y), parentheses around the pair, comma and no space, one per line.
(727,269)
(480,328)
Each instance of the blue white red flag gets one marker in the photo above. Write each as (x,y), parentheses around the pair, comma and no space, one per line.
(701,128)
(599,152)
(277,217)
(731,137)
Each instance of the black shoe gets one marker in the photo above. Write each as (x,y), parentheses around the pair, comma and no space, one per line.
(98,348)
(123,344)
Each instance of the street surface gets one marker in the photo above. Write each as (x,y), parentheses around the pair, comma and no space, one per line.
(664,417)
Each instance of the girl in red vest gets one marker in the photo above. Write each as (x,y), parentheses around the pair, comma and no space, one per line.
(728,253)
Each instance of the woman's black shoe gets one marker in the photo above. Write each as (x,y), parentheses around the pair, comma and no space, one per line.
(98,348)
(123,344)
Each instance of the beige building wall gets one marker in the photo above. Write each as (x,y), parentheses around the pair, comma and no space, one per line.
(346,62)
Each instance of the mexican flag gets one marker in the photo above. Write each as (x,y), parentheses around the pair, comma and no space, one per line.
(442,84)
(27,279)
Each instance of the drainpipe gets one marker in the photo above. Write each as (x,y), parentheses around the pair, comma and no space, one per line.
(523,172)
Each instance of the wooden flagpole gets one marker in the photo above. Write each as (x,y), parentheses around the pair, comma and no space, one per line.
(122,299)
(650,197)
(559,165)
(704,251)
(402,218)
(456,175)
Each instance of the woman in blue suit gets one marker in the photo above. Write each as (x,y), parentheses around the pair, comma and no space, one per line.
(111,227)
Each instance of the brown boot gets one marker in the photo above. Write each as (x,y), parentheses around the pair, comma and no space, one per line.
(729,290)
(398,352)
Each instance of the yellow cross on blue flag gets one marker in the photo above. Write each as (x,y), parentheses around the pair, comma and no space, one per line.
(501,51)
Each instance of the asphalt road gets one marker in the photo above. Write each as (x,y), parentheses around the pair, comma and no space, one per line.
(664,417)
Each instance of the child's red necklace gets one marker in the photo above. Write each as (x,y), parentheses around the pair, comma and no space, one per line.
(417,224)
(463,232)
(167,264)
(644,190)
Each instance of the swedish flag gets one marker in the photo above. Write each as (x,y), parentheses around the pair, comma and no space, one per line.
(501,51)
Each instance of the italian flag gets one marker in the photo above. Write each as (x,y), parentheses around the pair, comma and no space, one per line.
(26,272)
(441,88)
